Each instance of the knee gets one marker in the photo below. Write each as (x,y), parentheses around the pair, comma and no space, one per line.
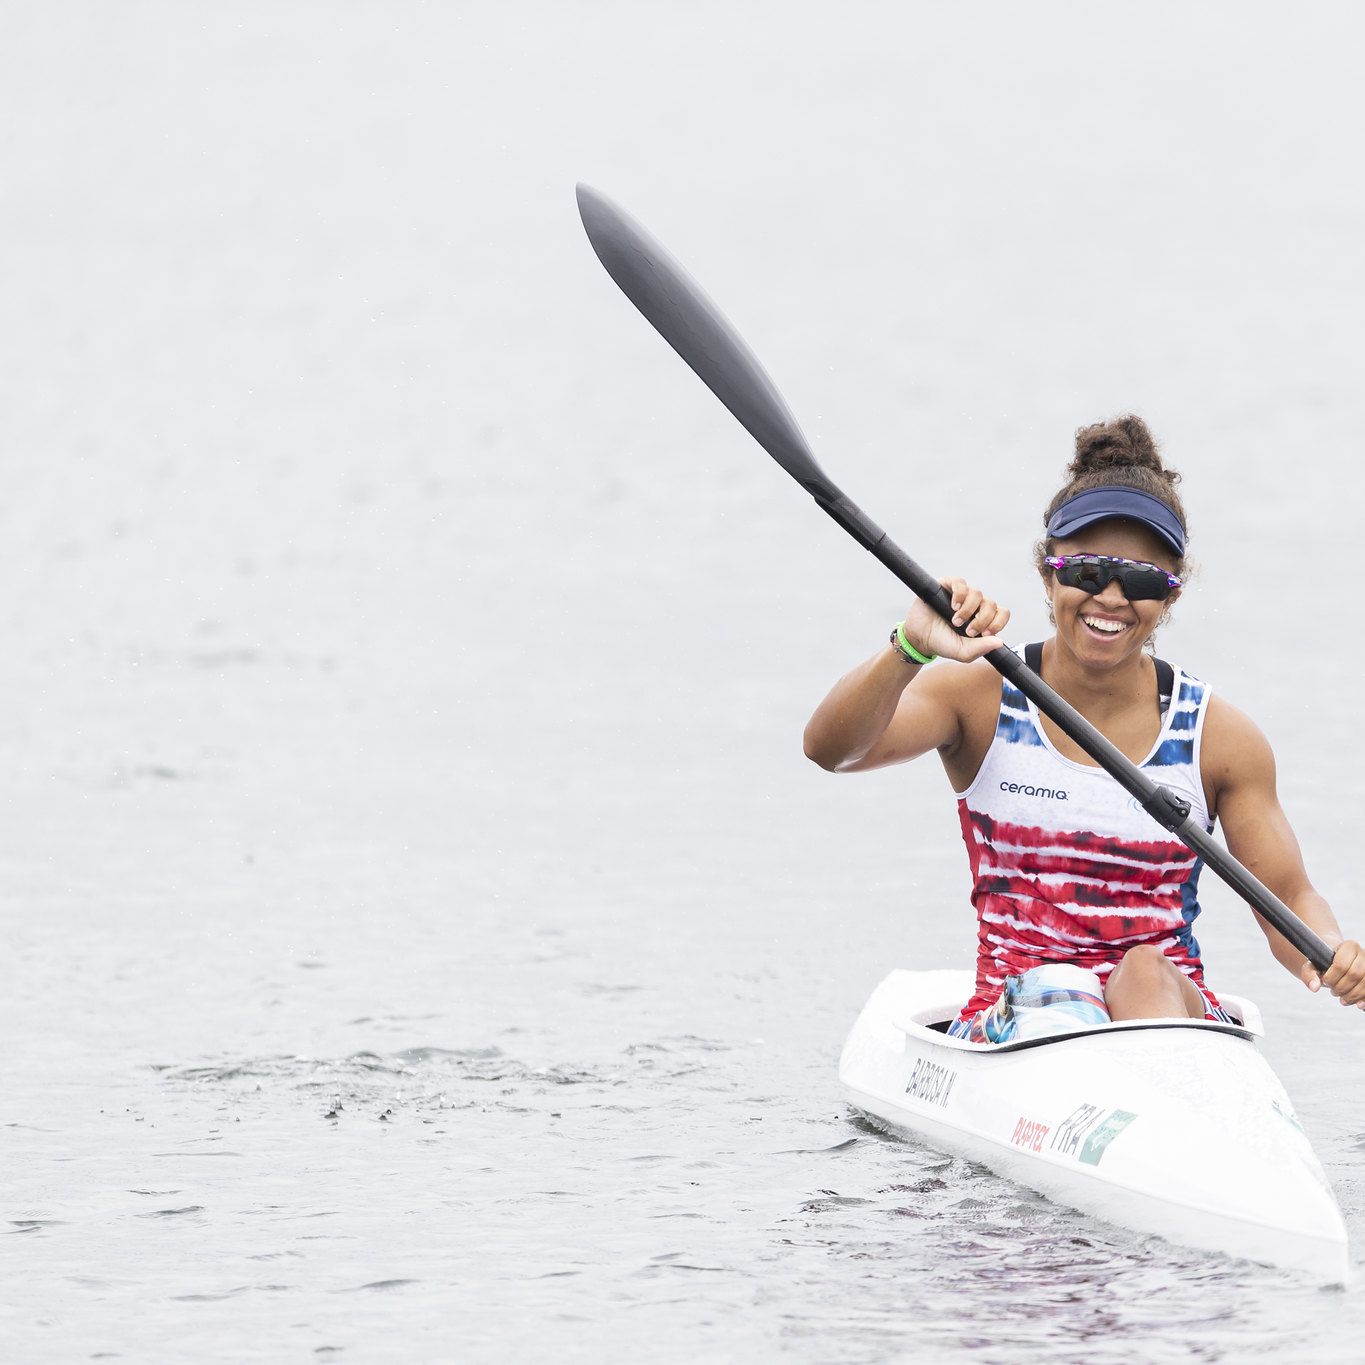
(1146,963)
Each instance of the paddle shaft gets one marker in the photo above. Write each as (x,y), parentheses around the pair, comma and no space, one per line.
(677,308)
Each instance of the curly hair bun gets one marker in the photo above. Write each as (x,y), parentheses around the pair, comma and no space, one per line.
(1119,453)
(1124,442)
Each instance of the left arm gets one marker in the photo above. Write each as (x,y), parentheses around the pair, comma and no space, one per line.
(1239,778)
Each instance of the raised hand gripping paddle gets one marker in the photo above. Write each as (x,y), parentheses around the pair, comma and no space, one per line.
(682,314)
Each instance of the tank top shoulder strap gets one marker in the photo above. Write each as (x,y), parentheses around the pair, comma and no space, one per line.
(1014,724)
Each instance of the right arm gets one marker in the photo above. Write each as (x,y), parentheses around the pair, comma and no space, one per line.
(873,717)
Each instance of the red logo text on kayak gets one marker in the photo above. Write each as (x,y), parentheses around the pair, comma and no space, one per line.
(1030,1134)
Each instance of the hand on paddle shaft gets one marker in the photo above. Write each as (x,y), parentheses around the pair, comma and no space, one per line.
(1345,978)
(979,618)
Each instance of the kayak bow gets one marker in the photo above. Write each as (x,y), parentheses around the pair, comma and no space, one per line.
(1174,1127)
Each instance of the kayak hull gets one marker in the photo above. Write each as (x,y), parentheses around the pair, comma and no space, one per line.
(1172,1127)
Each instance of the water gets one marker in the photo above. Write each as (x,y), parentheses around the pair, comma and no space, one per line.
(426,939)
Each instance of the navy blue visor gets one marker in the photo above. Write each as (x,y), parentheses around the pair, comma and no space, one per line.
(1105,504)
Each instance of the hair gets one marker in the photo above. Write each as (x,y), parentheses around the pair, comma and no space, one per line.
(1121,452)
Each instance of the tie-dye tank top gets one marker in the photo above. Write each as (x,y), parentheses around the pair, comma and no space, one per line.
(1066,866)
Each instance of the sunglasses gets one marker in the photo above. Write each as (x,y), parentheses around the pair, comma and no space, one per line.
(1094,573)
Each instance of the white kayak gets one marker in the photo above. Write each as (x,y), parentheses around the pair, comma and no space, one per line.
(1173,1127)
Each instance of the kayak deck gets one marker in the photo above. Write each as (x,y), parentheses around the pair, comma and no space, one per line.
(1173,1127)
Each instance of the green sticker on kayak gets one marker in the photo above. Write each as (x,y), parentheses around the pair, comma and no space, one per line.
(1103,1135)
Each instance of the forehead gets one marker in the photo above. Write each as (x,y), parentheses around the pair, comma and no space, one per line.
(1118,537)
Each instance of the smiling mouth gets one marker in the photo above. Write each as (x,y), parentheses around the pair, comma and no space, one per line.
(1105,627)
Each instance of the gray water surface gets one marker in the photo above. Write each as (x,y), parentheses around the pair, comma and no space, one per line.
(426,939)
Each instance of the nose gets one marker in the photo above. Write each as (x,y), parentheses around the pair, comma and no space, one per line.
(1111,595)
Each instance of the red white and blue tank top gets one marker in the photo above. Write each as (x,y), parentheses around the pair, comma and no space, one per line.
(1066,866)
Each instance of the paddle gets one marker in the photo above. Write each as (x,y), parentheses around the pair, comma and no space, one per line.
(674,304)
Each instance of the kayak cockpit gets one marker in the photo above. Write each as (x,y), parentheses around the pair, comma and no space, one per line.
(942,994)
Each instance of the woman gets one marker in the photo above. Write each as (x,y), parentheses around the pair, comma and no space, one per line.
(1066,867)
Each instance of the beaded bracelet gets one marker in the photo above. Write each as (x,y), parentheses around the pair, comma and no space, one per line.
(908,652)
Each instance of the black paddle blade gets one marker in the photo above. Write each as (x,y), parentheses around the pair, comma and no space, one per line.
(681,313)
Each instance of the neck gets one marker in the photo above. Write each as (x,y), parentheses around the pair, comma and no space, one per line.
(1097,688)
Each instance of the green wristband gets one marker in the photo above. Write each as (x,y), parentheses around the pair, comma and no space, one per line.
(908,652)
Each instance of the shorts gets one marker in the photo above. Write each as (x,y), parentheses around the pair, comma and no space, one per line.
(1054,998)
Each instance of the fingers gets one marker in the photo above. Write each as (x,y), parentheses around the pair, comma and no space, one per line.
(1345,978)
(978,614)
(980,617)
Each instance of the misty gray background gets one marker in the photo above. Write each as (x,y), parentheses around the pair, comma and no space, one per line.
(425,939)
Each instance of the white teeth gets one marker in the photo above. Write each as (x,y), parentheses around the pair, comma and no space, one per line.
(1108,627)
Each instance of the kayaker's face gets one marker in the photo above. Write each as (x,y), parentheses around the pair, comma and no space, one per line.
(1105,627)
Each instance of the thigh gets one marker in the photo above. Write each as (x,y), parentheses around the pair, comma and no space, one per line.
(1146,984)
(1194,997)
